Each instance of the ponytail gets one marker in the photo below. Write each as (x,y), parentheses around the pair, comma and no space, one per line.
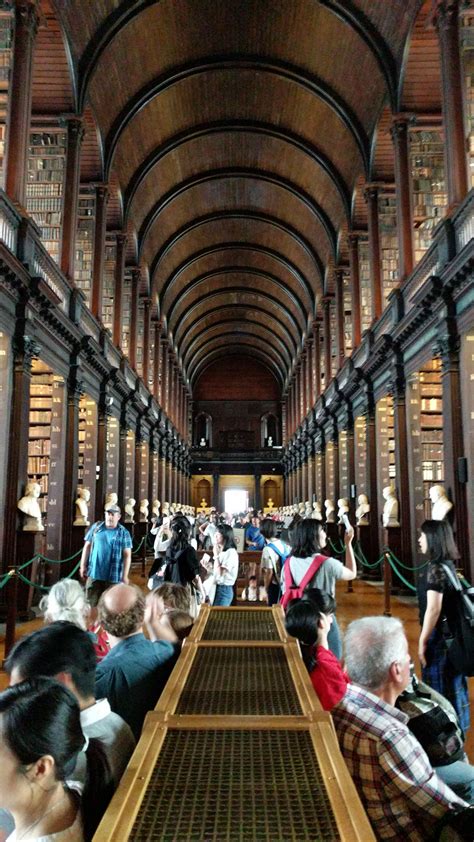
(98,789)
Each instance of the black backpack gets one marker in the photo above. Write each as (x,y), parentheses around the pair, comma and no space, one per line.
(461,648)
(433,722)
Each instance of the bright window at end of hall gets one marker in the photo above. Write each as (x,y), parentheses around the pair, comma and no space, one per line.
(236,500)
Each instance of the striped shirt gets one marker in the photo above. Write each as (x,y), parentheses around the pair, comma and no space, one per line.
(403,796)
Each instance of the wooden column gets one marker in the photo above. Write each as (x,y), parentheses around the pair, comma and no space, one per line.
(119,282)
(371,195)
(101,453)
(156,327)
(304,362)
(164,375)
(71,459)
(24,351)
(371,452)
(163,492)
(102,194)
(400,138)
(18,123)
(326,303)
(316,361)
(353,240)
(447,347)
(446,19)
(122,460)
(146,340)
(75,133)
(339,285)
(398,390)
(135,294)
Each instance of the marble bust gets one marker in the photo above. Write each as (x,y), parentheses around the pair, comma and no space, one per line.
(82,507)
(155,508)
(111,499)
(440,504)
(30,508)
(143,512)
(130,510)
(342,508)
(317,513)
(391,508)
(330,511)
(363,510)
(308,509)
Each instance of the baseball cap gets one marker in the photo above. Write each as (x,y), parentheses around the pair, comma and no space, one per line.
(115,510)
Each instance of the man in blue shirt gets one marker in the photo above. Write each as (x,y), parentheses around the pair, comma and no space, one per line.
(254,539)
(136,669)
(107,555)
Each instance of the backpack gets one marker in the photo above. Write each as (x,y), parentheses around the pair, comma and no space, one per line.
(293,591)
(461,649)
(281,556)
(433,722)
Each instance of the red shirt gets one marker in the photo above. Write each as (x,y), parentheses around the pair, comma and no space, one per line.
(329,679)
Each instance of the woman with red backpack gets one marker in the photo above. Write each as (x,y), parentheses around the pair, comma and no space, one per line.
(308,567)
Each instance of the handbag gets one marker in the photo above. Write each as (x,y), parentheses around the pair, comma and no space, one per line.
(461,648)
(433,722)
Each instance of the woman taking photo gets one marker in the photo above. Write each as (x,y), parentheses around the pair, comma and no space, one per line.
(226,564)
(439,616)
(182,565)
(309,620)
(41,737)
(310,539)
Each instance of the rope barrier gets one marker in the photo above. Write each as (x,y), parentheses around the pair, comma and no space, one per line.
(363,561)
(135,551)
(335,550)
(400,576)
(42,587)
(61,560)
(405,566)
(6,578)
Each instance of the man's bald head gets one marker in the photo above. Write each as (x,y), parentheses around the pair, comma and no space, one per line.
(121,610)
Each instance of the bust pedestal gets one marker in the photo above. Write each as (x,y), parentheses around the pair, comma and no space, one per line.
(369,548)
(27,545)
(392,537)
(332,531)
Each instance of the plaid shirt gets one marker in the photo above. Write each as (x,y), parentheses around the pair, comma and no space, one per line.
(403,796)
(106,554)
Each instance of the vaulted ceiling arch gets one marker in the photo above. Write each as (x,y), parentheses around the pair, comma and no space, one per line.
(240,329)
(256,347)
(236,352)
(237,313)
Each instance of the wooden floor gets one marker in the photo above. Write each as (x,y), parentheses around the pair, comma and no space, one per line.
(367,599)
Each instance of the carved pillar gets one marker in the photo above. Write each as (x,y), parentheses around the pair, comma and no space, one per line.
(18,124)
(309,375)
(101,484)
(164,374)
(71,458)
(283,411)
(121,240)
(163,490)
(304,379)
(122,459)
(316,361)
(135,293)
(353,240)
(398,391)
(371,463)
(25,349)
(326,302)
(146,342)
(400,138)
(371,195)
(102,194)
(156,328)
(303,473)
(215,490)
(75,133)
(446,19)
(447,347)
(339,284)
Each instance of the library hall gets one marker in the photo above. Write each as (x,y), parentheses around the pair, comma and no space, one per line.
(236,420)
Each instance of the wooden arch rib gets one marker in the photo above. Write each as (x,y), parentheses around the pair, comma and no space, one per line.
(285,70)
(196,331)
(239,173)
(243,126)
(345,10)
(238,329)
(282,291)
(237,246)
(248,339)
(232,352)
(244,215)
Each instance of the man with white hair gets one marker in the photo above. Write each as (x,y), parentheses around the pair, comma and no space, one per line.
(403,796)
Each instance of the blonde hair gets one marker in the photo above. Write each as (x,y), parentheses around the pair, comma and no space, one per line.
(66,601)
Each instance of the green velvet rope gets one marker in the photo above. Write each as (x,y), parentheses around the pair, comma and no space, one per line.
(362,559)
(135,551)
(400,576)
(405,566)
(44,587)
(61,560)
(335,550)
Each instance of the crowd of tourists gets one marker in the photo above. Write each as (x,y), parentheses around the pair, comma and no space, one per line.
(88,677)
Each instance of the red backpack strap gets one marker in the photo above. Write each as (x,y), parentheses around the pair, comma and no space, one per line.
(313,568)
(289,583)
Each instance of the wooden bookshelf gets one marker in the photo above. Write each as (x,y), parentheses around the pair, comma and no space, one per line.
(84,254)
(87,447)
(364,285)
(330,473)
(113,449)
(344,489)
(431,429)
(130,467)
(6,40)
(360,461)
(140,338)
(126,308)
(347,305)
(39,438)
(333,328)
(45,185)
(108,295)
(388,243)
(385,436)
(428,183)
(467,55)
(319,490)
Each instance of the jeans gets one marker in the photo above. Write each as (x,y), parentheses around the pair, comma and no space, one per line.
(334,639)
(459,776)
(224,595)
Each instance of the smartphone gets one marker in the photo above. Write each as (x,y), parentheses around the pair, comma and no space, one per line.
(206,557)
(346,522)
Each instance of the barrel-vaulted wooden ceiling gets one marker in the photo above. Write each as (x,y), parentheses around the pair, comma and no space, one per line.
(233,134)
